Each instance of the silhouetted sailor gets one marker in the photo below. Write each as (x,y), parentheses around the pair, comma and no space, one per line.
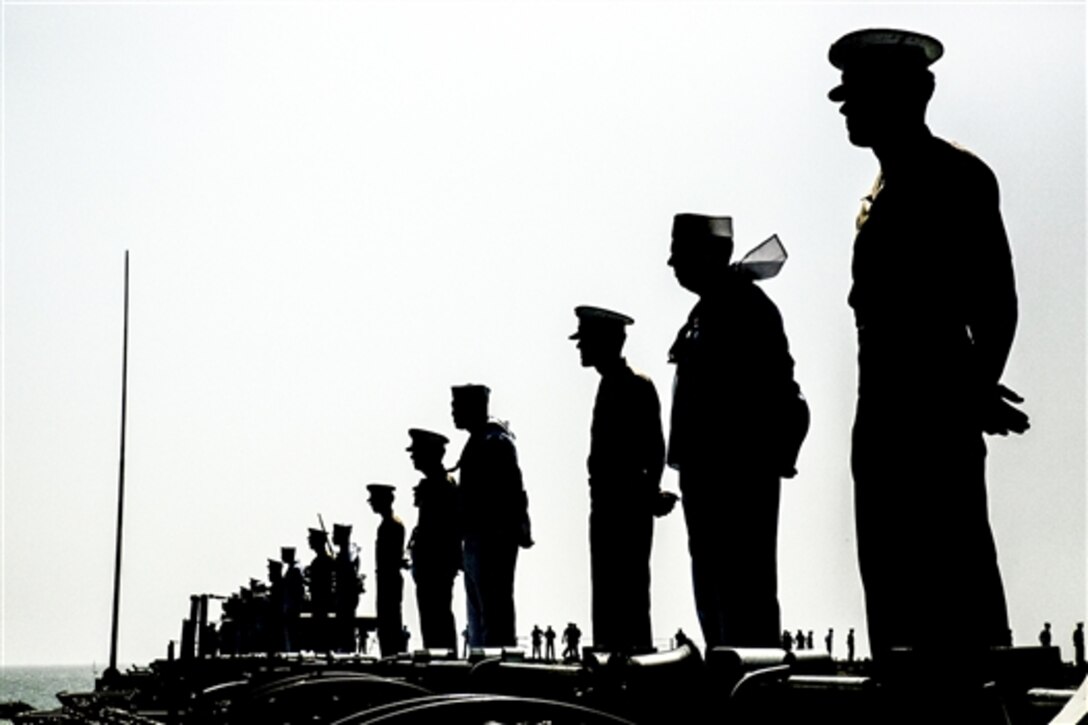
(572,635)
(787,640)
(626,459)
(809,641)
(495,518)
(549,643)
(828,640)
(435,545)
(850,645)
(347,587)
(935,305)
(537,637)
(799,640)
(275,634)
(1078,646)
(318,577)
(294,598)
(1045,636)
(737,423)
(388,561)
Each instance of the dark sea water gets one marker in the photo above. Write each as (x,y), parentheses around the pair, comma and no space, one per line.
(37,685)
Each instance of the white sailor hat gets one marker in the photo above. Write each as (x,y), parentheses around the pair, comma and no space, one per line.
(881,57)
(595,319)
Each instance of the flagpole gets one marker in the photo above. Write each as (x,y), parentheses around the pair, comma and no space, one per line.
(120,485)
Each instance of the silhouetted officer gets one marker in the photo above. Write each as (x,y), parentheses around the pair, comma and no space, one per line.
(730,435)
(294,598)
(388,561)
(1045,637)
(1078,645)
(787,640)
(549,643)
(626,459)
(935,306)
(319,582)
(537,637)
(828,639)
(809,641)
(435,545)
(850,645)
(799,640)
(495,518)
(347,587)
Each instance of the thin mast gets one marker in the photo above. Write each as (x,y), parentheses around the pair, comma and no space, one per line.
(120,484)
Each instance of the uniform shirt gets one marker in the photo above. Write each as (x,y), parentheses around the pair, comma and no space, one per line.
(734,376)
(627,447)
(933,292)
(389,549)
(492,494)
(436,540)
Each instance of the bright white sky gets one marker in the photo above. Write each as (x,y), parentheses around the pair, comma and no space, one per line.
(336,211)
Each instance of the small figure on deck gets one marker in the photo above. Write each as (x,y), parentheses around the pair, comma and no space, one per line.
(294,599)
(495,517)
(464,640)
(549,644)
(787,640)
(809,641)
(537,637)
(799,640)
(828,640)
(850,645)
(1045,636)
(318,577)
(388,562)
(1078,646)
(435,545)
(348,586)
(626,459)
(572,636)
(680,639)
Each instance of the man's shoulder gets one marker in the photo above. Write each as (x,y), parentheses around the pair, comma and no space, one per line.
(959,162)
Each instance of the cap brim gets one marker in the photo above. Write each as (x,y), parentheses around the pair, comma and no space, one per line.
(574,336)
(838,93)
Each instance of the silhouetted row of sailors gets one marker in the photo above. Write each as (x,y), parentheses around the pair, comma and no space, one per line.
(933,341)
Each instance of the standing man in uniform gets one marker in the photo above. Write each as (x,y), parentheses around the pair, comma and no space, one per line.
(935,306)
(346,587)
(294,597)
(730,434)
(626,459)
(388,561)
(495,515)
(319,580)
(435,545)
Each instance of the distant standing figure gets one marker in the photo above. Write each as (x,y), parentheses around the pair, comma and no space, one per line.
(1078,646)
(464,638)
(347,587)
(809,641)
(733,416)
(435,546)
(933,340)
(319,581)
(828,639)
(1045,637)
(388,562)
(850,645)
(549,644)
(799,640)
(626,459)
(294,598)
(536,636)
(573,637)
(787,640)
(495,516)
